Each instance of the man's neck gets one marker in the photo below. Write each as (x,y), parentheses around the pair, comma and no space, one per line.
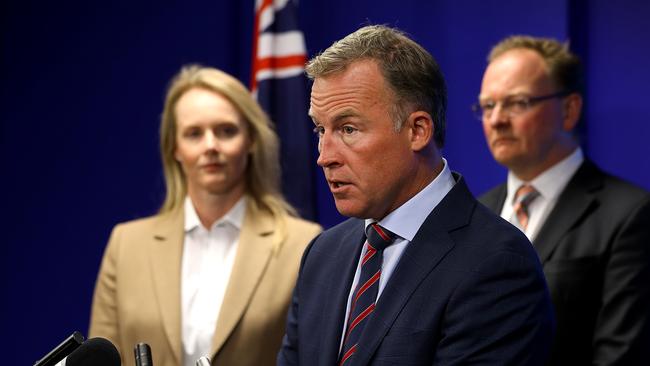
(528,172)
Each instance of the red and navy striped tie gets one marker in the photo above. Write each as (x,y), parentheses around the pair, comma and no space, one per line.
(365,294)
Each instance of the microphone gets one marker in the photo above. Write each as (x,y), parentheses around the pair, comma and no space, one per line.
(62,350)
(142,353)
(203,361)
(94,352)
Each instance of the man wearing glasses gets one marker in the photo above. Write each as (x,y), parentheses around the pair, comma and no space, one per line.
(590,229)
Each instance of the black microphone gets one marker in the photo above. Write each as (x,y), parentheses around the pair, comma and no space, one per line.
(62,350)
(142,353)
(95,352)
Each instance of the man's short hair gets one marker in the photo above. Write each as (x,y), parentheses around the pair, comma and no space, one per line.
(412,74)
(564,66)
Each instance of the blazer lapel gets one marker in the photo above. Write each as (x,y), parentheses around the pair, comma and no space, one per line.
(574,202)
(495,198)
(335,302)
(166,250)
(429,246)
(253,253)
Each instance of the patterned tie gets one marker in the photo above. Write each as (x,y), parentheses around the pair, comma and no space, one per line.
(523,197)
(365,294)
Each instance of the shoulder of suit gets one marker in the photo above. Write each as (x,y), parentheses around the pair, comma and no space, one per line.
(149,223)
(624,188)
(282,230)
(344,227)
(302,225)
(130,237)
(612,188)
(493,194)
(621,199)
(295,232)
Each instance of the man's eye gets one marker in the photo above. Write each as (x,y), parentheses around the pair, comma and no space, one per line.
(319,130)
(348,129)
(519,104)
(487,106)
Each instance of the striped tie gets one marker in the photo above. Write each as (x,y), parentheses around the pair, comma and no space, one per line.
(365,294)
(523,197)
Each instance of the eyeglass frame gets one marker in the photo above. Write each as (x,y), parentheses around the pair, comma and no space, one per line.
(479,111)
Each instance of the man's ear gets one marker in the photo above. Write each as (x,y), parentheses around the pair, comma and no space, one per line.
(421,128)
(572,111)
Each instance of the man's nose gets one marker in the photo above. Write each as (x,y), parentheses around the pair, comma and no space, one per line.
(326,151)
(498,116)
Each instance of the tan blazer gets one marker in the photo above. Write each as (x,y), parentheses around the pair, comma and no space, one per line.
(137,295)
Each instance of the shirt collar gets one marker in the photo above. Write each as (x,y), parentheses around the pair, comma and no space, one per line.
(234,217)
(406,220)
(551,182)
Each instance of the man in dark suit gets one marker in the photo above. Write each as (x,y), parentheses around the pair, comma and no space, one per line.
(590,229)
(440,279)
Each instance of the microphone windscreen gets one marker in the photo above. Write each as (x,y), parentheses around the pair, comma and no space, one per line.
(95,352)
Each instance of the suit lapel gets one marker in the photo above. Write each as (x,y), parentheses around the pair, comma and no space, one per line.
(495,198)
(166,250)
(429,246)
(574,202)
(253,253)
(338,292)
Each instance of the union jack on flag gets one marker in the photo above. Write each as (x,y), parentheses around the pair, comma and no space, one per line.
(280,86)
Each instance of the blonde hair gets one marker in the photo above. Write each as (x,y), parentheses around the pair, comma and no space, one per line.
(263,172)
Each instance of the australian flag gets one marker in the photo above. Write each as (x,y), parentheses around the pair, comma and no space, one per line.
(279,83)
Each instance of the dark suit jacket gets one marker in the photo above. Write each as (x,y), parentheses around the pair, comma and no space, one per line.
(468,289)
(595,250)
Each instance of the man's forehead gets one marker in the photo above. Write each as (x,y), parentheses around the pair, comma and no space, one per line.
(333,114)
(524,62)
(355,72)
(518,71)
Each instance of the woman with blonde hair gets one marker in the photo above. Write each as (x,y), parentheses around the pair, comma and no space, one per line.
(212,273)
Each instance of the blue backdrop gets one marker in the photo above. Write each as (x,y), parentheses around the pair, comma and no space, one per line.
(81,92)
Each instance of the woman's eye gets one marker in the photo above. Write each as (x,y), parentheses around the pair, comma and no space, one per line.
(227,131)
(192,133)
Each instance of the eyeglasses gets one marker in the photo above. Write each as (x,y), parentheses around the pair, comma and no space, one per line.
(512,106)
